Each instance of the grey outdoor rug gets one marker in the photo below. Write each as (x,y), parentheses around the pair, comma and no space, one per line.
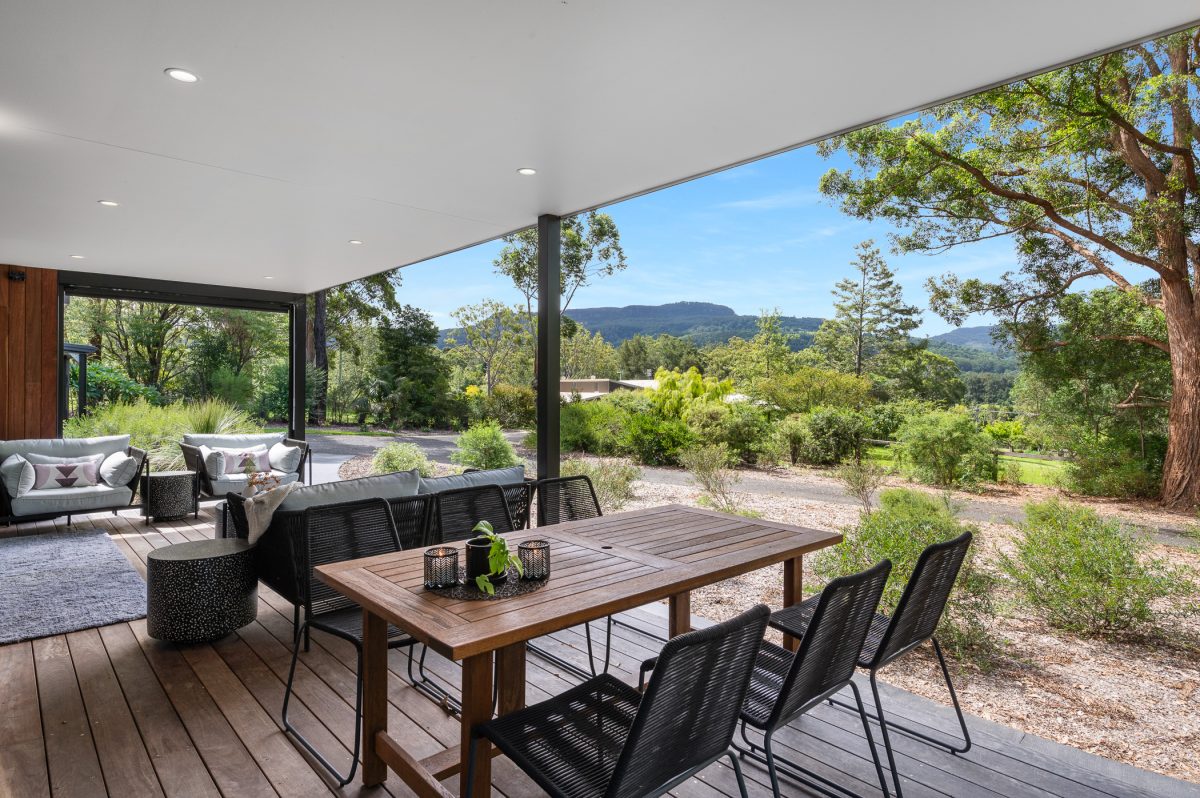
(65,581)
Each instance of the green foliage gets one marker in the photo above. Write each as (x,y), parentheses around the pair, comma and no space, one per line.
(271,400)
(413,382)
(1091,575)
(484,446)
(882,421)
(765,356)
(512,406)
(232,387)
(653,440)
(917,373)
(808,387)
(612,479)
(493,334)
(394,457)
(907,522)
(499,557)
(107,384)
(944,448)
(790,438)
(159,429)
(1010,432)
(586,354)
(833,434)
(678,393)
(1115,466)
(710,467)
(595,427)
(739,426)
(861,480)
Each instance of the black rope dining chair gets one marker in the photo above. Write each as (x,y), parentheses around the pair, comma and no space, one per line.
(784,685)
(914,620)
(604,738)
(460,509)
(336,533)
(562,499)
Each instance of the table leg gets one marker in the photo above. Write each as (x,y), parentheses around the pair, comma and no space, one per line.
(793,593)
(476,708)
(510,678)
(680,614)
(375,702)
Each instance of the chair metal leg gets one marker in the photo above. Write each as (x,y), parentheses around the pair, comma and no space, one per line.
(342,780)
(651,635)
(471,765)
(887,743)
(862,713)
(776,765)
(571,667)
(737,772)
(431,689)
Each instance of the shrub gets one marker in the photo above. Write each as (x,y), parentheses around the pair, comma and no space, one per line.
(834,433)
(612,478)
(740,426)
(790,439)
(1008,433)
(1114,467)
(514,406)
(401,457)
(710,468)
(158,430)
(109,384)
(653,440)
(272,393)
(861,480)
(483,445)
(880,422)
(234,388)
(1090,575)
(944,448)
(906,522)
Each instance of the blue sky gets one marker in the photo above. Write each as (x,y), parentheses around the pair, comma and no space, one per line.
(756,237)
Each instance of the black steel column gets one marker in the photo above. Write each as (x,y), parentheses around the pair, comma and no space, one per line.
(297,351)
(548,343)
(82,383)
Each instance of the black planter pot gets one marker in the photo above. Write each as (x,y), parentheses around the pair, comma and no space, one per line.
(477,561)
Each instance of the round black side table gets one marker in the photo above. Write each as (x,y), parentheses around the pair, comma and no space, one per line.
(200,590)
(170,495)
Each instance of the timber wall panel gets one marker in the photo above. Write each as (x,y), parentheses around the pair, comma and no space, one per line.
(28,353)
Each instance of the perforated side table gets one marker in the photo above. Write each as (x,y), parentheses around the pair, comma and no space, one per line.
(200,590)
(170,495)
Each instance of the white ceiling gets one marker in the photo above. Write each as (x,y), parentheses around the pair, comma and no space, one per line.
(403,123)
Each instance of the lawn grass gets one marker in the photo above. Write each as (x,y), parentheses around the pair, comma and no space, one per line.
(1033,471)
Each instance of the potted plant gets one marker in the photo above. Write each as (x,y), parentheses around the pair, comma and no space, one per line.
(488,559)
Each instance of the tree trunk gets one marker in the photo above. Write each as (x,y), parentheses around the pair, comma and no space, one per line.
(1181,470)
(320,360)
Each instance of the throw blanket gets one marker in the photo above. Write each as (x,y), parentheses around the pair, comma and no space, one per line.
(260,508)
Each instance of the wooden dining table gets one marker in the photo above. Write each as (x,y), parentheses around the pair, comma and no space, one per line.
(598,567)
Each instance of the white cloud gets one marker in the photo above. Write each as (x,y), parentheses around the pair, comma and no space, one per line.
(771,202)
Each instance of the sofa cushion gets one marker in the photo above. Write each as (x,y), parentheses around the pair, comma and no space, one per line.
(284,457)
(494,476)
(236,460)
(79,474)
(119,468)
(71,500)
(71,448)
(264,439)
(214,462)
(18,475)
(235,482)
(396,485)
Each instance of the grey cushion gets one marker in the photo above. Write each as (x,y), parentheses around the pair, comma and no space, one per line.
(235,481)
(214,462)
(265,439)
(71,500)
(284,457)
(495,476)
(396,485)
(83,473)
(118,469)
(68,448)
(46,459)
(18,475)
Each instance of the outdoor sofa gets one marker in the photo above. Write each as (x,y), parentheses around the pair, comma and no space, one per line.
(207,455)
(47,478)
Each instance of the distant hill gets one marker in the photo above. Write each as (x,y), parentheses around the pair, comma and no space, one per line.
(703,322)
(973,337)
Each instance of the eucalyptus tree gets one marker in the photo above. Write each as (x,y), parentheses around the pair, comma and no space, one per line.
(1092,170)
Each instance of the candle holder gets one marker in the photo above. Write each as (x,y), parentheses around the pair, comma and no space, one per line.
(441,567)
(535,559)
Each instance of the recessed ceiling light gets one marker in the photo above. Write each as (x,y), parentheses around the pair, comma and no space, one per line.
(527,171)
(355,241)
(181,75)
(108,203)
(77,257)
(268,277)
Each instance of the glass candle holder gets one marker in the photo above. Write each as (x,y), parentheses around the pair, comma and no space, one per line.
(441,567)
(535,559)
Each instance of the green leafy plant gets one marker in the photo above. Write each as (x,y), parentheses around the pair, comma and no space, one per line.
(861,481)
(1091,575)
(484,446)
(612,478)
(653,440)
(711,469)
(944,448)
(499,557)
(401,457)
(906,522)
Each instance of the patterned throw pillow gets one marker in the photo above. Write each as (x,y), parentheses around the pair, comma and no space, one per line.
(64,475)
(236,459)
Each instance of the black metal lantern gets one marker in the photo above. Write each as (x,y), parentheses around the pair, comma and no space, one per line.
(441,567)
(535,559)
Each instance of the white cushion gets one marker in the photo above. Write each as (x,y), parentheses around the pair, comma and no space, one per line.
(214,462)
(76,474)
(396,485)
(46,459)
(18,475)
(118,469)
(69,448)
(284,457)
(492,476)
(71,500)
(234,482)
(264,439)
(235,459)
